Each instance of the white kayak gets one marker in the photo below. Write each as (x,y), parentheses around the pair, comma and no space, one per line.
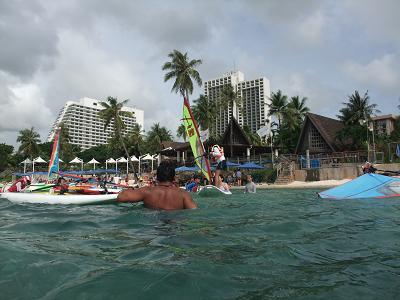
(212,190)
(45,198)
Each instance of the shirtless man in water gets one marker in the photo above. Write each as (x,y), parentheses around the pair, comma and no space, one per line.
(165,195)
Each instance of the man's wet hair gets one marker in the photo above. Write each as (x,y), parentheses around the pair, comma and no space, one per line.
(166,171)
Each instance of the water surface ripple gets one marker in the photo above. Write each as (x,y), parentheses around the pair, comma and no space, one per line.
(279,244)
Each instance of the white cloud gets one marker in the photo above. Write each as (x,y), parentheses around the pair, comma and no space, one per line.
(24,107)
(380,73)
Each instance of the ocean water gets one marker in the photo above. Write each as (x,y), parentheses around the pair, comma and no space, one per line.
(276,244)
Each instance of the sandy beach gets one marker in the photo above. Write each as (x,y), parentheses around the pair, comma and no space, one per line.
(300,184)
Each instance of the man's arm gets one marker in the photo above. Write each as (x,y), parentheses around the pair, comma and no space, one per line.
(188,202)
(131,195)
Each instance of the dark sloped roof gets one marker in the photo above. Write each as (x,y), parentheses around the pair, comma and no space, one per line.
(175,145)
(238,133)
(327,127)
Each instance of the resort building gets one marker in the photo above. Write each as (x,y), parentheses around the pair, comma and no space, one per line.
(384,125)
(85,127)
(318,135)
(255,98)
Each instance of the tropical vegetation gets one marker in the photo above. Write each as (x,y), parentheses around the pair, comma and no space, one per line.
(112,114)
(183,71)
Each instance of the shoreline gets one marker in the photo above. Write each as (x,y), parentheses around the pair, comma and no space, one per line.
(298,185)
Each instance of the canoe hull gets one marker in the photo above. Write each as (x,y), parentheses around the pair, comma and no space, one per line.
(212,191)
(58,199)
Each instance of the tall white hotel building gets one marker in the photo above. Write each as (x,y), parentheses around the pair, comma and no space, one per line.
(255,98)
(85,127)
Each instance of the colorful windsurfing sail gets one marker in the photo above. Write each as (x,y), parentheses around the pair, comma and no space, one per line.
(54,159)
(193,135)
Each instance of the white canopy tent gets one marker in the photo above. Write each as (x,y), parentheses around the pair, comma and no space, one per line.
(134,158)
(123,160)
(37,160)
(146,157)
(110,161)
(26,162)
(77,160)
(93,162)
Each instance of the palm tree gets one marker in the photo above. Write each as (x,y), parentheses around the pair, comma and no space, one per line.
(357,108)
(230,99)
(156,135)
(181,132)
(135,139)
(29,140)
(205,111)
(112,114)
(298,107)
(278,105)
(183,71)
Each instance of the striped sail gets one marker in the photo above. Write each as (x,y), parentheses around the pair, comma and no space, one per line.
(193,135)
(54,159)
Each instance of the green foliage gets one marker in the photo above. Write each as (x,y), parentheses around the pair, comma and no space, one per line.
(45,150)
(357,108)
(156,135)
(182,69)
(266,175)
(29,140)
(253,137)
(101,153)
(205,112)
(113,113)
(290,117)
(181,132)
(5,155)
(135,141)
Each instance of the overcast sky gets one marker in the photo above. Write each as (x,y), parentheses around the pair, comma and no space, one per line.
(54,51)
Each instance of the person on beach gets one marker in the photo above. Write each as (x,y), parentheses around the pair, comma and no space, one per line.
(217,154)
(239,177)
(164,196)
(250,185)
(368,168)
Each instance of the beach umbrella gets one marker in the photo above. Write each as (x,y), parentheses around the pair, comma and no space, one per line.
(155,157)
(37,160)
(123,160)
(25,162)
(110,161)
(93,162)
(251,165)
(134,158)
(77,160)
(187,169)
(149,157)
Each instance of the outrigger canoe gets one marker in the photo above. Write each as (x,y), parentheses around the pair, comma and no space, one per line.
(42,198)
(365,186)
(211,191)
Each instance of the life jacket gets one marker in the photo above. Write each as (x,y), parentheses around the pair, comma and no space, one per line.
(217,151)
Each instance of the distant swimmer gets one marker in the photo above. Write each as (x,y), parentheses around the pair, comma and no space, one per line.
(194,185)
(250,185)
(217,154)
(164,196)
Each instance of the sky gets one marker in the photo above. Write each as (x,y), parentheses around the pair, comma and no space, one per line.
(55,51)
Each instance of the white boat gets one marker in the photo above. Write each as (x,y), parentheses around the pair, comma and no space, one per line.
(211,190)
(46,198)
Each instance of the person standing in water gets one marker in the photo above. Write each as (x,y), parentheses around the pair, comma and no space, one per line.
(250,185)
(164,196)
(217,154)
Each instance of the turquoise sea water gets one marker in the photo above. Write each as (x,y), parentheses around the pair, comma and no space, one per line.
(276,244)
